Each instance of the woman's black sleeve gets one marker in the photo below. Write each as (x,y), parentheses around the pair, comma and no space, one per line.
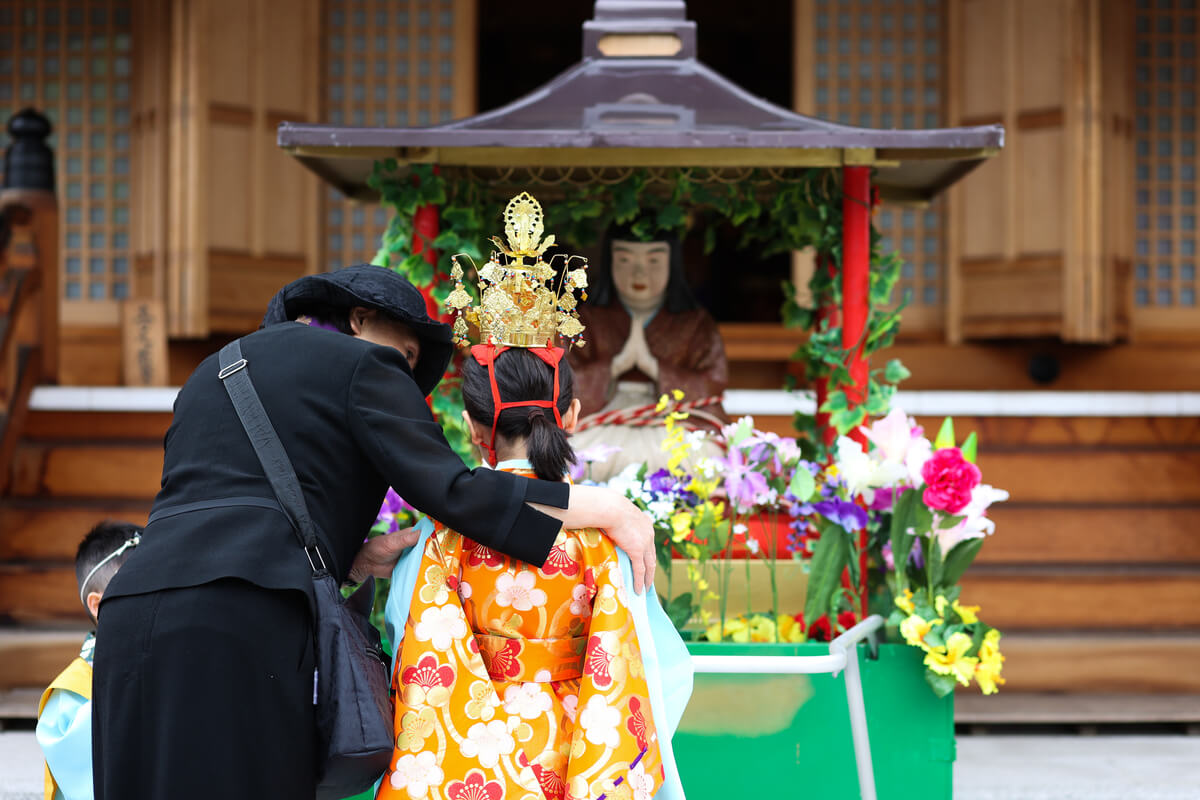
(388,418)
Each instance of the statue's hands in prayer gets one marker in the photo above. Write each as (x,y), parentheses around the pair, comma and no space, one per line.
(635,353)
(379,554)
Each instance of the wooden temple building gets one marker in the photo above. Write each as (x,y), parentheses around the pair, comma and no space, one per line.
(1051,291)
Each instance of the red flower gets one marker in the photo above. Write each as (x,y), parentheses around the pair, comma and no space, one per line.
(637,722)
(504,661)
(846,621)
(427,673)
(949,479)
(478,555)
(560,561)
(596,663)
(475,787)
(820,630)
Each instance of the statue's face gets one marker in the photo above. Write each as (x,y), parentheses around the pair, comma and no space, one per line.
(640,272)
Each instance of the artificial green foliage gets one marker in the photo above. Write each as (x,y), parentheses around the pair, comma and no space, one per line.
(803,211)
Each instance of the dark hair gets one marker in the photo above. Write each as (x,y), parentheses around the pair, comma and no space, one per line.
(601,291)
(521,375)
(101,542)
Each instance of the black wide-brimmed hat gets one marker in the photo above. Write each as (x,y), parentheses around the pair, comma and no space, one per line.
(375,287)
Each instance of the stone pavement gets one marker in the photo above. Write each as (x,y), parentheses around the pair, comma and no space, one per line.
(995,767)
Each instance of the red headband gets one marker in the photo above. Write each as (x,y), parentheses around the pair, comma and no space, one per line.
(486,354)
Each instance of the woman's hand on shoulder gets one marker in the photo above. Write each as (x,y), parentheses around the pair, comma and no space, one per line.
(378,555)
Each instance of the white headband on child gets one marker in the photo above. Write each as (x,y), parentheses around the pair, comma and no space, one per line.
(133,541)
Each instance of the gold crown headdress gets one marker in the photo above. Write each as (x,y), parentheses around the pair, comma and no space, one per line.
(517,308)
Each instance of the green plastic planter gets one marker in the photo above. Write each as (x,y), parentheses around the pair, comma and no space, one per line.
(789,735)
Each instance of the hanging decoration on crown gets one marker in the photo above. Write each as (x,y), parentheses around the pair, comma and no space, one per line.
(519,306)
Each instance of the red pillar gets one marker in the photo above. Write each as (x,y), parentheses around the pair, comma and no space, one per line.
(425,229)
(856,284)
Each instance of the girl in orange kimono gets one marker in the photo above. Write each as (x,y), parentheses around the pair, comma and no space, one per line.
(513,682)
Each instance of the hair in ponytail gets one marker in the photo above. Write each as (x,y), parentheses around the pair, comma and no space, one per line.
(523,376)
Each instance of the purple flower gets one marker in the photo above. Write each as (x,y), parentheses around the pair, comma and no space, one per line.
(743,485)
(845,513)
(392,510)
(884,500)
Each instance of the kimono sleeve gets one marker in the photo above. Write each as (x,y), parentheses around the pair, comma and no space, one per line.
(64,732)
(614,721)
(392,425)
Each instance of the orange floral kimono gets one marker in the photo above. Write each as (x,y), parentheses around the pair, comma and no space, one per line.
(519,683)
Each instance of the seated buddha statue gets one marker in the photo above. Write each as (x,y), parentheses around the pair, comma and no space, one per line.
(647,336)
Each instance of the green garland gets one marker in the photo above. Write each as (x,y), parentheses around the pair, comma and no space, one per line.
(776,216)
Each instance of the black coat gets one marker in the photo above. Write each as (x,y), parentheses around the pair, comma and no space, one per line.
(353,422)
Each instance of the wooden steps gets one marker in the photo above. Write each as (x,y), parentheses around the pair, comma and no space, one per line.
(1093,573)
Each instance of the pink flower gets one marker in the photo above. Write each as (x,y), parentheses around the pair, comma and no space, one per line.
(949,480)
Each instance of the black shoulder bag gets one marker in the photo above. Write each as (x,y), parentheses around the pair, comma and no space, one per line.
(353,714)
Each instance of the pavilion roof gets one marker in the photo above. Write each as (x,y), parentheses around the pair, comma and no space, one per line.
(659,107)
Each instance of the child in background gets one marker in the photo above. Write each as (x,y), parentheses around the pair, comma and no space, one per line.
(64,728)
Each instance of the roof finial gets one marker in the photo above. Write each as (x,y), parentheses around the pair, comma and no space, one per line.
(639,29)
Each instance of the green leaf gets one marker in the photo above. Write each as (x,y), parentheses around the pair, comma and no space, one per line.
(741,432)
(831,555)
(945,437)
(802,484)
(895,372)
(935,560)
(679,610)
(970,447)
(848,419)
(942,685)
(836,401)
(958,559)
(902,540)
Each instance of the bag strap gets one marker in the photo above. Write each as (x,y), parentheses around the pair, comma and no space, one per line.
(272,456)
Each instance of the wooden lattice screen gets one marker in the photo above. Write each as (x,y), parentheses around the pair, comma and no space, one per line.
(397,63)
(1164,285)
(881,63)
(73,62)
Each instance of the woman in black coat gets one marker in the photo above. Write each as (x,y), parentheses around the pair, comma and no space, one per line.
(204,666)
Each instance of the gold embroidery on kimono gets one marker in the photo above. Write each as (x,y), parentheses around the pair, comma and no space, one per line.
(518,683)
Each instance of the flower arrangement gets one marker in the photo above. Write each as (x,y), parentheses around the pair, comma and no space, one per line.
(924,507)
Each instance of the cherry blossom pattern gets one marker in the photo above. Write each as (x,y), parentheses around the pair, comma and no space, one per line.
(475,787)
(526,700)
(641,782)
(441,625)
(416,773)
(559,561)
(503,662)
(581,601)
(637,722)
(478,555)
(519,591)
(487,741)
(552,784)
(427,682)
(597,662)
(599,722)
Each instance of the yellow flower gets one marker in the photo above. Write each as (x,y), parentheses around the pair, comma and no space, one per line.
(939,605)
(988,675)
(905,603)
(952,659)
(681,525)
(762,629)
(677,394)
(662,404)
(913,629)
(966,613)
(789,629)
(736,630)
